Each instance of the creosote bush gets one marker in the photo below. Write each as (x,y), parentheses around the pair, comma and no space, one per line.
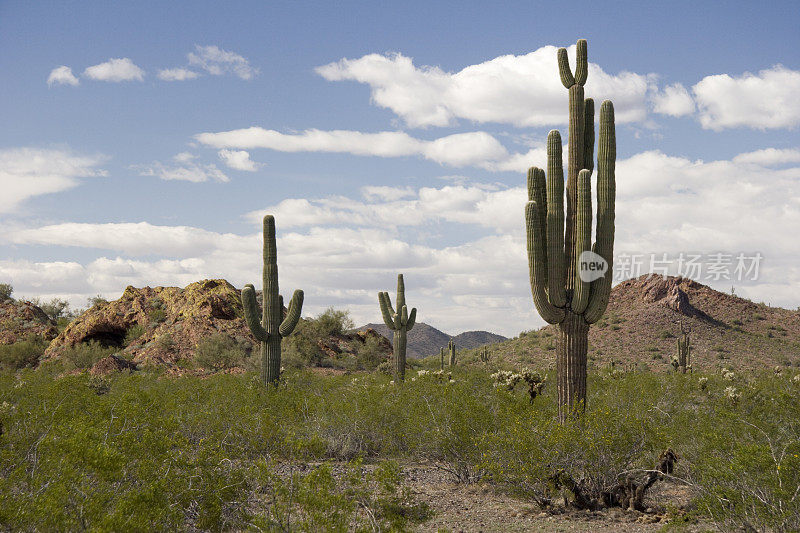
(25,353)
(220,352)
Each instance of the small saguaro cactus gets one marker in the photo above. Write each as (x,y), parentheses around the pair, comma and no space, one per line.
(273,325)
(441,359)
(451,348)
(484,355)
(400,322)
(555,248)
(684,350)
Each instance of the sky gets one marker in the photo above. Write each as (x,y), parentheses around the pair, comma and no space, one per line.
(143,143)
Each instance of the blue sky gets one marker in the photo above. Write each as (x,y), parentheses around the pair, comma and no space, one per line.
(143,142)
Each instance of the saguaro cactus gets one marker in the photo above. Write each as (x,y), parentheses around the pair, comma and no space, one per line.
(400,322)
(451,348)
(684,350)
(273,326)
(441,359)
(484,355)
(554,248)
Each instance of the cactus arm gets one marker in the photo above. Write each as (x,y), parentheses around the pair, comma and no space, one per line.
(606,193)
(581,63)
(555,221)
(588,134)
(252,313)
(292,315)
(412,318)
(583,239)
(537,266)
(386,309)
(564,70)
(537,193)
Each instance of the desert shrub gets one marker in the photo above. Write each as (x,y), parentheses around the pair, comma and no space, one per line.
(219,352)
(371,353)
(165,342)
(25,353)
(332,322)
(156,315)
(133,333)
(5,291)
(84,355)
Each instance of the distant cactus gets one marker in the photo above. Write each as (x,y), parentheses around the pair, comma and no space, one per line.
(484,355)
(273,325)
(554,247)
(400,322)
(441,359)
(451,347)
(683,357)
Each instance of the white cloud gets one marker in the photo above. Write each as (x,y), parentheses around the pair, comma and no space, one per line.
(237,160)
(185,170)
(767,100)
(342,250)
(461,149)
(769,157)
(115,70)
(522,90)
(216,61)
(176,74)
(62,76)
(674,100)
(139,238)
(28,172)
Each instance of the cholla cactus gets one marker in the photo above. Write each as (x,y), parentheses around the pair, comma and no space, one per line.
(509,380)
(451,347)
(703,383)
(506,379)
(733,395)
(728,375)
(273,325)
(400,322)
(796,379)
(556,248)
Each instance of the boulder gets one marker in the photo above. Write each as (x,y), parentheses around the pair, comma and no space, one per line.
(20,320)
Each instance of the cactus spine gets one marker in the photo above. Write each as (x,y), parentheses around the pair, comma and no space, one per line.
(400,322)
(273,326)
(451,348)
(554,248)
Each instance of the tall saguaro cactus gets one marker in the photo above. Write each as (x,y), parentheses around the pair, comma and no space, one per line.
(684,350)
(451,347)
(400,322)
(561,295)
(273,326)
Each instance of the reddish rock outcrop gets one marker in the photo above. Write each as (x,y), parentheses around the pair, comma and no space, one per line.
(20,320)
(170,321)
(112,363)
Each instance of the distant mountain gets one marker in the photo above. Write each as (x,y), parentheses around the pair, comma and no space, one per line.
(425,340)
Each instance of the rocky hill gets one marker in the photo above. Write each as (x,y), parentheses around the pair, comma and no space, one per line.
(643,320)
(424,340)
(163,326)
(20,320)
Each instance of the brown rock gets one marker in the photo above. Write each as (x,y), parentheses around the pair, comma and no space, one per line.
(174,320)
(21,319)
(112,363)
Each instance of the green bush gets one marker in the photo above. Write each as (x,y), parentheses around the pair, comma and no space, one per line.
(84,355)
(371,353)
(332,322)
(5,291)
(133,333)
(25,353)
(219,352)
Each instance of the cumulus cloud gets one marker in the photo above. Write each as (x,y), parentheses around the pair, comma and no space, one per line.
(674,100)
(176,74)
(185,170)
(343,249)
(62,76)
(29,172)
(217,61)
(766,100)
(461,149)
(115,70)
(237,160)
(523,90)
